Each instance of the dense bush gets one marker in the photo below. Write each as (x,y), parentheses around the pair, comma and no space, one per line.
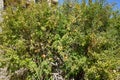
(81,41)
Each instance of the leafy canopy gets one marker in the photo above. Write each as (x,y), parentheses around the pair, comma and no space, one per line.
(82,39)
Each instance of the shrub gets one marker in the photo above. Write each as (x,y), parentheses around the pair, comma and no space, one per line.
(81,41)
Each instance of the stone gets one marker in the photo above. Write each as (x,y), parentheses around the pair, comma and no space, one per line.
(1,5)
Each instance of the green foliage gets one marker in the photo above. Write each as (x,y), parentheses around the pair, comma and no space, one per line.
(83,39)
